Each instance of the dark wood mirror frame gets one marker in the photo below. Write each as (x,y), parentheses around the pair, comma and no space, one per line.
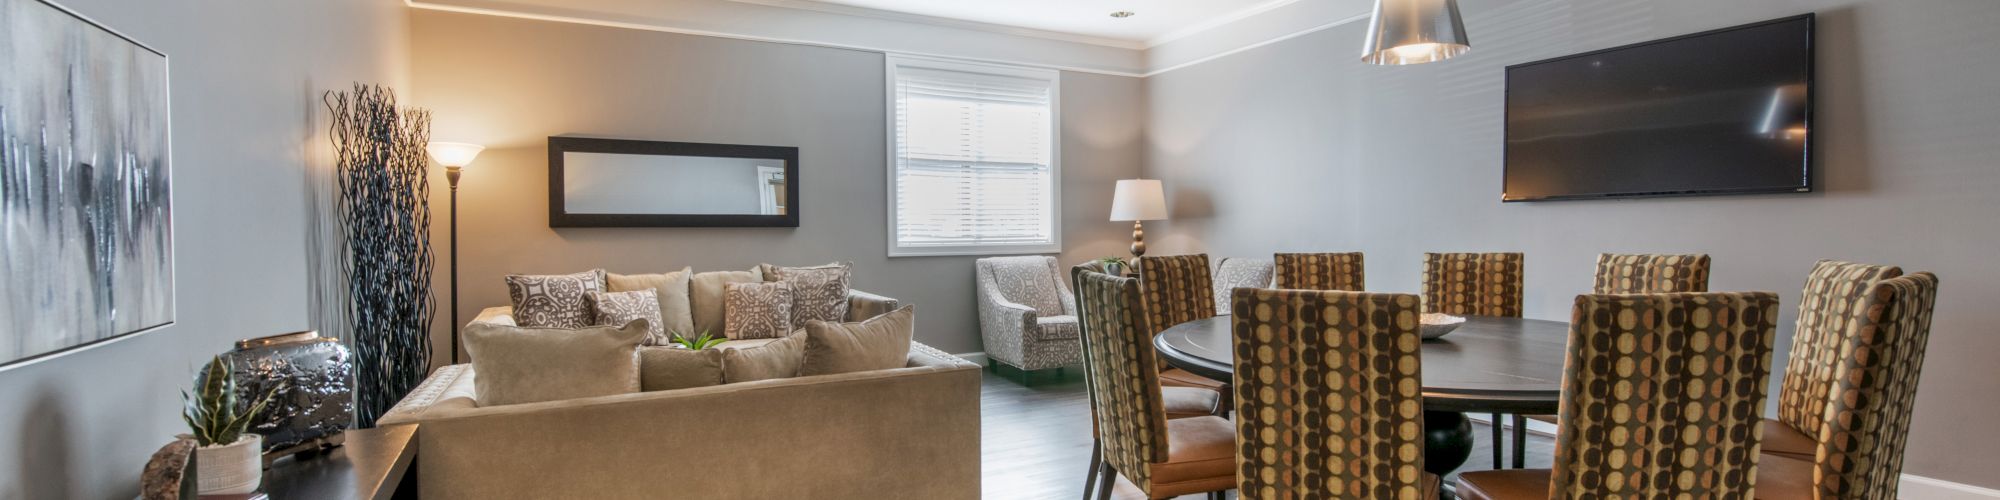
(559,217)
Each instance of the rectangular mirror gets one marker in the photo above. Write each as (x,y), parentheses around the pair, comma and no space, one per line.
(628,183)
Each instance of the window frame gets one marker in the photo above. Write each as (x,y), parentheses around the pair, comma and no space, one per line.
(1054,77)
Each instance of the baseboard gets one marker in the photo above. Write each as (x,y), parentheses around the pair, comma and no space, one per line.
(977,358)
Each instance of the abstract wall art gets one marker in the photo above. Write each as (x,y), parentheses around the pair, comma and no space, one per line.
(86,221)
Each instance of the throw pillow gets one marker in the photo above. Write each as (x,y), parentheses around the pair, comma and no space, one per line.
(705,296)
(819,293)
(554,301)
(672,289)
(517,365)
(618,308)
(668,368)
(880,343)
(776,359)
(757,310)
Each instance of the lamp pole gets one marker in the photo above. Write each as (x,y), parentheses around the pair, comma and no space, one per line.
(451,176)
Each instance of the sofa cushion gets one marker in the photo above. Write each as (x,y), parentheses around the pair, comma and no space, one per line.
(554,301)
(757,310)
(668,368)
(676,312)
(527,365)
(775,359)
(619,308)
(819,293)
(705,297)
(880,343)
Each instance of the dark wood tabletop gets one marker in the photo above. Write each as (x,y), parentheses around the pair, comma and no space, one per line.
(1489,364)
(371,465)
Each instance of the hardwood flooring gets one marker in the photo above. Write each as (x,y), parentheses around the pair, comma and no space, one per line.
(1035,441)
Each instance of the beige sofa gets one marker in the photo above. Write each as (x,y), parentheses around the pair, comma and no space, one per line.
(910,432)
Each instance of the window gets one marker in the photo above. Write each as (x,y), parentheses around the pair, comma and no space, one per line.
(973,159)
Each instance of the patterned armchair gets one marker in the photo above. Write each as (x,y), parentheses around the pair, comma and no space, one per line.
(1651,273)
(1027,318)
(1238,272)
(1637,420)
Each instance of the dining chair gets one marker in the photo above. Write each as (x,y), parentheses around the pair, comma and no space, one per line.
(1479,284)
(1177,289)
(1320,271)
(1238,272)
(1851,381)
(1329,397)
(1651,273)
(1162,457)
(1661,398)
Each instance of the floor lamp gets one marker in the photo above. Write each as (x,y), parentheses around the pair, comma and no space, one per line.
(454,156)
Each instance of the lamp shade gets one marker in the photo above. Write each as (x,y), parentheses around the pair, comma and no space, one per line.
(1138,199)
(1414,32)
(453,154)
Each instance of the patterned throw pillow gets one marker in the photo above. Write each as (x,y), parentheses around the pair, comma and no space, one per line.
(757,310)
(618,308)
(819,293)
(554,301)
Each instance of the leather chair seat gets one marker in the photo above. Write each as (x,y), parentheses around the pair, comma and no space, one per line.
(1201,457)
(1184,402)
(1781,478)
(1175,377)
(1778,478)
(1782,440)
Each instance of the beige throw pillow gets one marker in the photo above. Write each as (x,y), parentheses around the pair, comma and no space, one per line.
(705,297)
(619,308)
(776,359)
(669,368)
(880,343)
(819,293)
(672,290)
(525,365)
(554,301)
(757,310)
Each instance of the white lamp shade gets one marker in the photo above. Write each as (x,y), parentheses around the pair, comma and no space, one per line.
(1138,199)
(453,154)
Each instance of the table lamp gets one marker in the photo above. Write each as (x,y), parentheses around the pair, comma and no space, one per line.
(1138,200)
(454,156)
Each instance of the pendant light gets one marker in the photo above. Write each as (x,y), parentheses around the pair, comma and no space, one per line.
(1414,32)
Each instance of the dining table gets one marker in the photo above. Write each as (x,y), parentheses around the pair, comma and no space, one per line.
(1496,365)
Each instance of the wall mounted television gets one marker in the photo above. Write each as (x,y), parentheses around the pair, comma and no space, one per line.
(1727,111)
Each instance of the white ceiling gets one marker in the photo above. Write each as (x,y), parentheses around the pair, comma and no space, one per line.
(1089,21)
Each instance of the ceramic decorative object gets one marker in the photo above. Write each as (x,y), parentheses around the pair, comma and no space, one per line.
(1438,324)
(317,378)
(233,468)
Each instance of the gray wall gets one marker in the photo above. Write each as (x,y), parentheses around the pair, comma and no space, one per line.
(247,120)
(511,83)
(1296,146)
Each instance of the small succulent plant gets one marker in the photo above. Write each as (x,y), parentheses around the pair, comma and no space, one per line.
(212,413)
(703,342)
(1112,265)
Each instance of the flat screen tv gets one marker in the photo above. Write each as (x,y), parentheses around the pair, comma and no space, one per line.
(1721,112)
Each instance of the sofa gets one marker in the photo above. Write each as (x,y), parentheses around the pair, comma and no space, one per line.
(909,432)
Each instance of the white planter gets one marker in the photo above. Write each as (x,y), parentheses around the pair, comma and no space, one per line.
(231,468)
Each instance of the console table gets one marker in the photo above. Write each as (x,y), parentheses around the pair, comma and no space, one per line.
(374,464)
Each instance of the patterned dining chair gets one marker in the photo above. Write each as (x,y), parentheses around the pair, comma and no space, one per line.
(1320,271)
(1651,273)
(1178,289)
(1662,395)
(1329,398)
(1238,272)
(1162,457)
(1478,284)
(1177,402)
(1850,382)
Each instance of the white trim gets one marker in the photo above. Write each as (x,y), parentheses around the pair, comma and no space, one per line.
(1915,486)
(1217,22)
(1231,52)
(851,10)
(1055,153)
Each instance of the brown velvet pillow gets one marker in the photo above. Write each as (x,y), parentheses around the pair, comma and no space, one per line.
(513,365)
(668,368)
(819,293)
(776,359)
(757,310)
(554,301)
(880,343)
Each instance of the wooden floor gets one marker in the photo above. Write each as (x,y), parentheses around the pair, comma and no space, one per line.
(1036,440)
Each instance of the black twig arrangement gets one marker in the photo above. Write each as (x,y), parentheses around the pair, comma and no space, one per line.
(384,210)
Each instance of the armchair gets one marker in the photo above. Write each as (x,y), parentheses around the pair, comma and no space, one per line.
(1027,318)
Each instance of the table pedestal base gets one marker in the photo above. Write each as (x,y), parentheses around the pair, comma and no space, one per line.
(1447,441)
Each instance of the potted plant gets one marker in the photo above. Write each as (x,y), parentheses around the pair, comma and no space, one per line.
(230,458)
(1112,265)
(703,342)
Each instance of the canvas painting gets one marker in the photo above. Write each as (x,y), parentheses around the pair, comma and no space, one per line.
(86,224)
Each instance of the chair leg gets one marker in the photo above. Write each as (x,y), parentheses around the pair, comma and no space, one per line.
(992,366)
(1499,445)
(1105,475)
(1096,461)
(1520,441)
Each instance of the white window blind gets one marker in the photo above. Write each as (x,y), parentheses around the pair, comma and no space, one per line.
(974,165)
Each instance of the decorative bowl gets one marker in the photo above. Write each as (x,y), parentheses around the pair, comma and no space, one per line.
(1436,324)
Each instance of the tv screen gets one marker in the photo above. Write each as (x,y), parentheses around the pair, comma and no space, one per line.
(1722,112)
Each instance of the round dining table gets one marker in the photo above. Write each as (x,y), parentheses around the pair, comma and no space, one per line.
(1487,365)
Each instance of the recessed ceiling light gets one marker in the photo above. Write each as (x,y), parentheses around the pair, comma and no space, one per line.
(1123,14)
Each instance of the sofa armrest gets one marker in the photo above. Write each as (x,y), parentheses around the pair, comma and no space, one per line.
(449,390)
(863,305)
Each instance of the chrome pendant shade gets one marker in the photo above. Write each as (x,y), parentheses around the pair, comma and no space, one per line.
(1414,32)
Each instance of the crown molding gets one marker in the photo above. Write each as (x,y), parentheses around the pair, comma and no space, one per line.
(850,10)
(1315,29)
(1218,22)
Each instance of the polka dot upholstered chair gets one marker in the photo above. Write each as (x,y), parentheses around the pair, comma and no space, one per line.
(1662,398)
(1163,457)
(1239,272)
(1850,383)
(1178,289)
(1178,402)
(1320,271)
(1478,284)
(1329,396)
(1651,273)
